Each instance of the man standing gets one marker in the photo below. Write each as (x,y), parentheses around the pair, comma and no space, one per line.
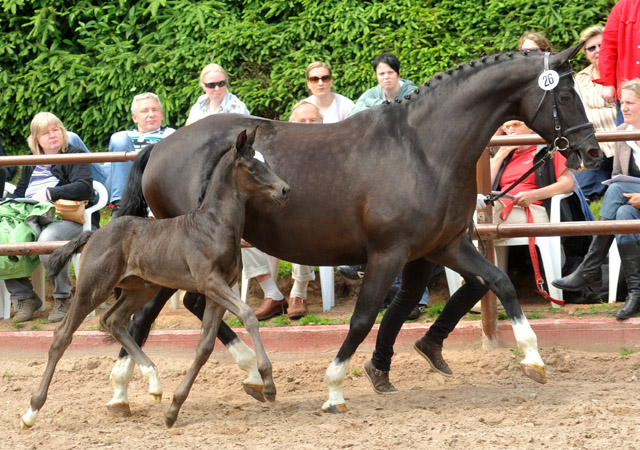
(147,114)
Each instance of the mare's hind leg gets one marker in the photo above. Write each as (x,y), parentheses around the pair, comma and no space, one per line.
(244,356)
(415,276)
(139,328)
(211,320)
(465,259)
(115,320)
(62,336)
(382,268)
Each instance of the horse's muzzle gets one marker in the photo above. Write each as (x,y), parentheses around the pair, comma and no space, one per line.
(281,193)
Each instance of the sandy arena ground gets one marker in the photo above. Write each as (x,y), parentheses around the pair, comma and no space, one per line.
(590,402)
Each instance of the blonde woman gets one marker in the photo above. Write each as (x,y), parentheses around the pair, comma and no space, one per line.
(600,112)
(216,98)
(48,183)
(333,106)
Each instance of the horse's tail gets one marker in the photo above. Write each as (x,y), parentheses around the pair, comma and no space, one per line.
(62,255)
(132,202)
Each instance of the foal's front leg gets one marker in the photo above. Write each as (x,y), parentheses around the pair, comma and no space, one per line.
(210,322)
(227,298)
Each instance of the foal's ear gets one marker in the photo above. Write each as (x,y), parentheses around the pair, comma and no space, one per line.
(241,143)
(566,55)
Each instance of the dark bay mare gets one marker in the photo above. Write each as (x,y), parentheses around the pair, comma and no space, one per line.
(201,253)
(393,186)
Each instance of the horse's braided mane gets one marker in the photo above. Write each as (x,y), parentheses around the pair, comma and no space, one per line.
(477,65)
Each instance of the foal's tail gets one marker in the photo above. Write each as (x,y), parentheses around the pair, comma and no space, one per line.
(61,256)
(132,202)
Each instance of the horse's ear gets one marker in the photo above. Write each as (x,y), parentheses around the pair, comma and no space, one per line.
(252,137)
(241,143)
(566,55)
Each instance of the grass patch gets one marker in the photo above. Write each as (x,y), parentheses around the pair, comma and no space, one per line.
(502,315)
(433,311)
(533,315)
(595,208)
(97,328)
(278,321)
(7,376)
(624,351)
(356,373)
(36,327)
(314,319)
(17,325)
(233,322)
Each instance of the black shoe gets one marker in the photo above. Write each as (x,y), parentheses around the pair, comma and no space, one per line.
(589,272)
(352,272)
(415,313)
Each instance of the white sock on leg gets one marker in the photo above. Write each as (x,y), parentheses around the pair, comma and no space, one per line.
(270,289)
(299,289)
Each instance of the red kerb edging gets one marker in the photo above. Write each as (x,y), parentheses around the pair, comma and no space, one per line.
(604,334)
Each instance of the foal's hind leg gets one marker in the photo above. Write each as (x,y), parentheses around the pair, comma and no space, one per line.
(465,259)
(244,356)
(122,372)
(115,320)
(62,336)
(210,322)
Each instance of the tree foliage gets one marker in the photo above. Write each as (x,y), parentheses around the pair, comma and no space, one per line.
(85,60)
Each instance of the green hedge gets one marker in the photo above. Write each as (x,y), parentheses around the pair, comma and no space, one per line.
(84,60)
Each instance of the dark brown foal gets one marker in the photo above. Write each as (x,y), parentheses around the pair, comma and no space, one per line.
(197,252)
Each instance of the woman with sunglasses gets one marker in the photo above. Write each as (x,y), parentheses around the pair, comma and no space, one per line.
(600,112)
(217,98)
(390,86)
(333,106)
(532,41)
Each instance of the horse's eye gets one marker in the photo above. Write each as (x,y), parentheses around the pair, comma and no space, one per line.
(565,98)
(252,168)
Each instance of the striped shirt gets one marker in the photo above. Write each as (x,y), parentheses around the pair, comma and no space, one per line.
(602,115)
(141,139)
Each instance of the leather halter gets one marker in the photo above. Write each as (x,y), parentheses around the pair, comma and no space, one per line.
(560,135)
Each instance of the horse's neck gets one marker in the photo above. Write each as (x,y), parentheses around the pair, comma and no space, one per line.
(223,202)
(467,106)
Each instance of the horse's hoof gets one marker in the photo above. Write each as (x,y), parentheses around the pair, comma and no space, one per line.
(169,421)
(336,409)
(270,397)
(535,372)
(119,409)
(256,391)
(156,397)
(23,425)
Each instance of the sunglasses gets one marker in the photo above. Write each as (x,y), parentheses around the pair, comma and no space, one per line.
(324,78)
(215,84)
(532,49)
(593,48)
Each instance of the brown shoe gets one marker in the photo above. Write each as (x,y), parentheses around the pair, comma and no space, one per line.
(270,308)
(60,308)
(379,380)
(25,308)
(297,308)
(432,352)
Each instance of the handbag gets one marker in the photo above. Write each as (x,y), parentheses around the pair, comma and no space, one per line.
(71,209)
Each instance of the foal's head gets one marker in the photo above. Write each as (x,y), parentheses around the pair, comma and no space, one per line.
(254,176)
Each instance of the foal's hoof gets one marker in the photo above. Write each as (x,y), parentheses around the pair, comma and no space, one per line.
(156,397)
(336,409)
(119,409)
(23,425)
(535,372)
(169,421)
(255,390)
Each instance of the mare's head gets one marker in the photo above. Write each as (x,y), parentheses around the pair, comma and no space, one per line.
(553,108)
(254,176)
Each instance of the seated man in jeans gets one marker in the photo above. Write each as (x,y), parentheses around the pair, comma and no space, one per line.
(147,114)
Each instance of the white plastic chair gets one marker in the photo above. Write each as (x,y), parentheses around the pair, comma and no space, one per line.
(37,277)
(550,252)
(326,283)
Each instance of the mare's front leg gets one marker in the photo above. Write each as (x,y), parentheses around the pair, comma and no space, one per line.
(462,257)
(139,327)
(382,269)
(82,305)
(210,322)
(244,356)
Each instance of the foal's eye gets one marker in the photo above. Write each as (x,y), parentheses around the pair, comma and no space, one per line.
(252,168)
